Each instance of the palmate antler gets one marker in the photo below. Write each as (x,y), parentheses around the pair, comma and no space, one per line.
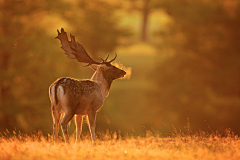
(75,50)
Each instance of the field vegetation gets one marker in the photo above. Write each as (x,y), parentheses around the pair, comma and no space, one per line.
(178,146)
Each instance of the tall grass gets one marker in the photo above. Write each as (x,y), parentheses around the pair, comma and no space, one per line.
(112,146)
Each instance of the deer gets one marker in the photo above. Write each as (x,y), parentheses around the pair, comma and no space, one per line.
(80,97)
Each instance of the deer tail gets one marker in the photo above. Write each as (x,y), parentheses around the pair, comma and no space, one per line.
(53,93)
(55,89)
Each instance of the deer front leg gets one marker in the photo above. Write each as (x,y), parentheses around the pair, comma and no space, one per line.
(56,118)
(78,122)
(64,122)
(91,121)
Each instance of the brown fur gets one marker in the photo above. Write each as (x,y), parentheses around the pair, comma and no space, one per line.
(81,97)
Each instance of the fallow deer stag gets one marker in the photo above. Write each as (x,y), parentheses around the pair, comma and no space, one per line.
(80,97)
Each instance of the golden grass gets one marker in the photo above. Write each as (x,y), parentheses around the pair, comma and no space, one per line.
(21,147)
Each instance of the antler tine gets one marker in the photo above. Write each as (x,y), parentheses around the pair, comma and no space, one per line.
(106,58)
(58,33)
(113,58)
(101,59)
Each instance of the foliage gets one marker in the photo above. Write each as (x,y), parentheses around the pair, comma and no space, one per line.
(96,25)
(200,78)
(21,57)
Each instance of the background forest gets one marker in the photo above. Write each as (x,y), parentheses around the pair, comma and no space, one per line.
(184,55)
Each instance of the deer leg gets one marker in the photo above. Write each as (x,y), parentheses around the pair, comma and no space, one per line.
(56,118)
(78,122)
(64,122)
(91,121)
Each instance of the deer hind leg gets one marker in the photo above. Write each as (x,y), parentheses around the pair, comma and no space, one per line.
(78,122)
(64,122)
(56,118)
(91,121)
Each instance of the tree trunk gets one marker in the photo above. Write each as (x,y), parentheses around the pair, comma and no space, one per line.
(145,13)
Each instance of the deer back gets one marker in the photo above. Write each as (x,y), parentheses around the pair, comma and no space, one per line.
(80,95)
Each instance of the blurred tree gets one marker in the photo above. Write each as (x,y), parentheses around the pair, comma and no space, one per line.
(200,77)
(145,7)
(24,52)
(97,27)
(145,14)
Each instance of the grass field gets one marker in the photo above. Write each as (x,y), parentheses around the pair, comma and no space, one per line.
(178,147)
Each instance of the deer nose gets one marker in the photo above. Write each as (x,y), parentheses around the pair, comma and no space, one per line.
(124,73)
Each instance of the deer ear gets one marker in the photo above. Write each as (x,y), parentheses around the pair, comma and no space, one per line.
(94,67)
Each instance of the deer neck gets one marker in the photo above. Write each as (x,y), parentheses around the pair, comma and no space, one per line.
(102,80)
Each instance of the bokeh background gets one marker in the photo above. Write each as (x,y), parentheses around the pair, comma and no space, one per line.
(184,55)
